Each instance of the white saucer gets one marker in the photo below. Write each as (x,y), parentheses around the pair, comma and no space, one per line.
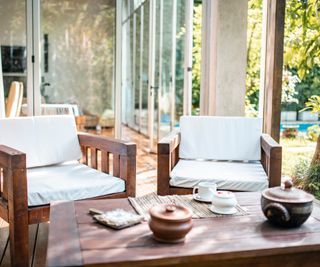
(197,197)
(215,210)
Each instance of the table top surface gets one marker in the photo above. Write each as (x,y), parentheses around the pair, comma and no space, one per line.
(76,240)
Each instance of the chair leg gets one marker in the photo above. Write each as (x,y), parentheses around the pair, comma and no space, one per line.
(18,217)
(19,243)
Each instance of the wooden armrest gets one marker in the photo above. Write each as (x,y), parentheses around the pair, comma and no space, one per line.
(119,147)
(271,159)
(169,143)
(271,147)
(124,157)
(11,158)
(168,156)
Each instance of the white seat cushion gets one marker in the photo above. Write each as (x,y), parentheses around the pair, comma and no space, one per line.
(220,138)
(46,140)
(238,176)
(69,181)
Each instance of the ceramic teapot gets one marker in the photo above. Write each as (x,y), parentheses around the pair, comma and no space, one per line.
(286,205)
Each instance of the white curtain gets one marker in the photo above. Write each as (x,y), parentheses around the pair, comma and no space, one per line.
(2,109)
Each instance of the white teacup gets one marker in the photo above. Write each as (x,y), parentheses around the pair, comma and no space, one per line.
(204,192)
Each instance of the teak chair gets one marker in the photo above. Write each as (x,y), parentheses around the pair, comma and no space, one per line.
(31,152)
(230,151)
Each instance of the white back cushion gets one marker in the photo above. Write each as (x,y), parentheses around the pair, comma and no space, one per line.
(46,140)
(220,138)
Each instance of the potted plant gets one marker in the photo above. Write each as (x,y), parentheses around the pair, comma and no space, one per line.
(290,130)
(307,115)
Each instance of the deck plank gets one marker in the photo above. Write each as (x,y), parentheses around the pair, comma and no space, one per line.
(40,256)
(4,239)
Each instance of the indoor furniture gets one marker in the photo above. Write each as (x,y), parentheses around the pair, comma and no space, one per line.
(55,109)
(39,162)
(14,100)
(230,151)
(248,240)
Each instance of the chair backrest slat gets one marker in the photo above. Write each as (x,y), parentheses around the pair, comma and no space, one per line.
(220,138)
(105,161)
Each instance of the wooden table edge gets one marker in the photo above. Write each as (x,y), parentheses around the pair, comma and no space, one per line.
(62,250)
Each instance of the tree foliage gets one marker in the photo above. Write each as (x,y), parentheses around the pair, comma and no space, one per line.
(301,52)
(196,56)
(254,34)
(302,36)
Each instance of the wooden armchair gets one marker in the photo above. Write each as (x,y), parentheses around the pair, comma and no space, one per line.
(14,200)
(168,158)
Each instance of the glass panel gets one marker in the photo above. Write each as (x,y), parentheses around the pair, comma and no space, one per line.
(131,6)
(130,75)
(77,66)
(179,62)
(137,71)
(145,69)
(166,80)
(156,76)
(124,74)
(13,69)
(125,10)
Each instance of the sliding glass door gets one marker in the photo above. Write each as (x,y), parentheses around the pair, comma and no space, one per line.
(13,60)
(153,53)
(62,55)
(77,50)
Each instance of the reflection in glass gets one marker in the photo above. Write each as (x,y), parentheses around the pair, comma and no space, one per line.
(166,71)
(78,38)
(145,68)
(13,69)
(156,74)
(137,71)
(130,74)
(180,35)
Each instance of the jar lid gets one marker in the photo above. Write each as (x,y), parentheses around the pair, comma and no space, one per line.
(287,194)
(224,194)
(173,213)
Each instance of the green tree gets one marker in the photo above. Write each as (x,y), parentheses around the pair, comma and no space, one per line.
(302,36)
(196,56)
(254,33)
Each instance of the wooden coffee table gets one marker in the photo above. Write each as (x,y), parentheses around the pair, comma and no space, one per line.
(76,240)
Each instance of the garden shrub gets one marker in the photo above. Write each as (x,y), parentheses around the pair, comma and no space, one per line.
(313,133)
(307,177)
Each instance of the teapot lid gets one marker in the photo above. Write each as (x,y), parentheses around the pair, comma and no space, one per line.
(287,194)
(173,213)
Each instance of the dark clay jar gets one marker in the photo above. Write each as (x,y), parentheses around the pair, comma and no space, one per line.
(286,206)
(170,223)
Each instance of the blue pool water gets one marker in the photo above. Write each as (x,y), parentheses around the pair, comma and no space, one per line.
(302,127)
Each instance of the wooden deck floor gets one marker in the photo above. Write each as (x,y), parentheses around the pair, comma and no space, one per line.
(38,233)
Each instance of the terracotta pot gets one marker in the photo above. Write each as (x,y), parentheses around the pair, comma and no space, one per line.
(170,223)
(286,206)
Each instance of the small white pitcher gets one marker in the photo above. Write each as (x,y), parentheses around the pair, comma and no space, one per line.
(223,202)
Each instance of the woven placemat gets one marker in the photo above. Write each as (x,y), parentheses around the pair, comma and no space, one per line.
(200,209)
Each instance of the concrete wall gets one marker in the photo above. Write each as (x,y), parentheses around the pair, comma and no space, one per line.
(224,57)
